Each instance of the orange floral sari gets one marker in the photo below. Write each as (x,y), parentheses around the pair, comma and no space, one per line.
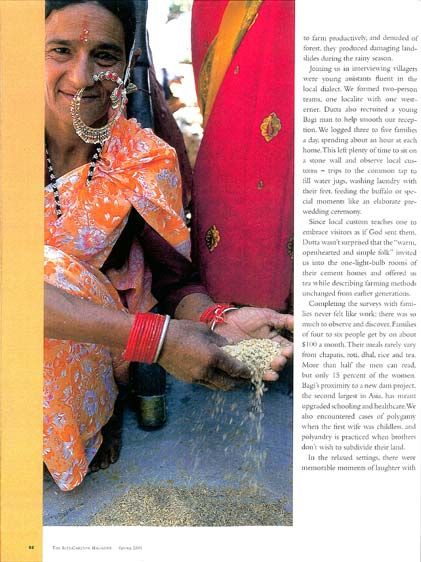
(136,169)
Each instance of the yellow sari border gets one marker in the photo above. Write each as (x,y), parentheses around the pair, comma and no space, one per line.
(239,16)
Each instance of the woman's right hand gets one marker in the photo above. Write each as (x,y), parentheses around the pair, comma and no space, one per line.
(192,353)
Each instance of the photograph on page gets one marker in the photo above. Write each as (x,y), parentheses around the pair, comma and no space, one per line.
(172,429)
(168,264)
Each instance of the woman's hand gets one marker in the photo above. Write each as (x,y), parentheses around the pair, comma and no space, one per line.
(247,322)
(192,353)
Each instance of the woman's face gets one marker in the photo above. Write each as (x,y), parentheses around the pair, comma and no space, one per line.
(81,40)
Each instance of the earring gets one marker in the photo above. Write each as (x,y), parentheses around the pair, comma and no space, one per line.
(118,100)
(131,87)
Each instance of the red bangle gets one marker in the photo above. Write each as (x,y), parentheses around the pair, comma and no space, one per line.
(214,314)
(145,337)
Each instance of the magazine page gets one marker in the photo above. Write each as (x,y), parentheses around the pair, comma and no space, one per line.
(323,464)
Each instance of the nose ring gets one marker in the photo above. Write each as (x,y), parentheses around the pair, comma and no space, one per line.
(118,99)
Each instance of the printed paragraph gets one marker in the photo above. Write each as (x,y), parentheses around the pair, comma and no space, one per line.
(359,253)
(359,123)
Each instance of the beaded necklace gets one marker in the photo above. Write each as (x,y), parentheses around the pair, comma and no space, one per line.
(53,178)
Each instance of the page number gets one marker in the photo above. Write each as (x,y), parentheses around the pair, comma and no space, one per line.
(31,547)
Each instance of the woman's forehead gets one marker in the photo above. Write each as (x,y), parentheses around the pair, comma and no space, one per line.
(87,22)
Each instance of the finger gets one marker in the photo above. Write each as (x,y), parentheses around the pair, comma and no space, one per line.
(219,381)
(270,376)
(280,361)
(218,340)
(230,366)
(212,386)
(288,351)
(283,342)
(281,321)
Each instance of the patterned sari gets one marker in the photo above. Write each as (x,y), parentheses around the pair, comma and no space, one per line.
(243,59)
(136,169)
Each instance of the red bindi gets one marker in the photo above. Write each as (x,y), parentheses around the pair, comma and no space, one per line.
(85,32)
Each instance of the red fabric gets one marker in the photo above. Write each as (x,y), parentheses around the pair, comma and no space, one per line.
(206,17)
(250,264)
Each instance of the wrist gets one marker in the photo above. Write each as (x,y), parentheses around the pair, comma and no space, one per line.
(216,314)
(146,337)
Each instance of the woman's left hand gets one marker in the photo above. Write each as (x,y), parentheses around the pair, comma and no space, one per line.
(248,322)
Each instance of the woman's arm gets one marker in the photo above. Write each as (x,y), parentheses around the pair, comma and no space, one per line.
(69,317)
(191,352)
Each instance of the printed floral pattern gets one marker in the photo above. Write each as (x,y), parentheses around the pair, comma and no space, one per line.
(136,169)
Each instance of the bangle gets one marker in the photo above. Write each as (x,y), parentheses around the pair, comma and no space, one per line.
(144,343)
(213,315)
(161,341)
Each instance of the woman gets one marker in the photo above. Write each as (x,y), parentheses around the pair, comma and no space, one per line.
(88,323)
